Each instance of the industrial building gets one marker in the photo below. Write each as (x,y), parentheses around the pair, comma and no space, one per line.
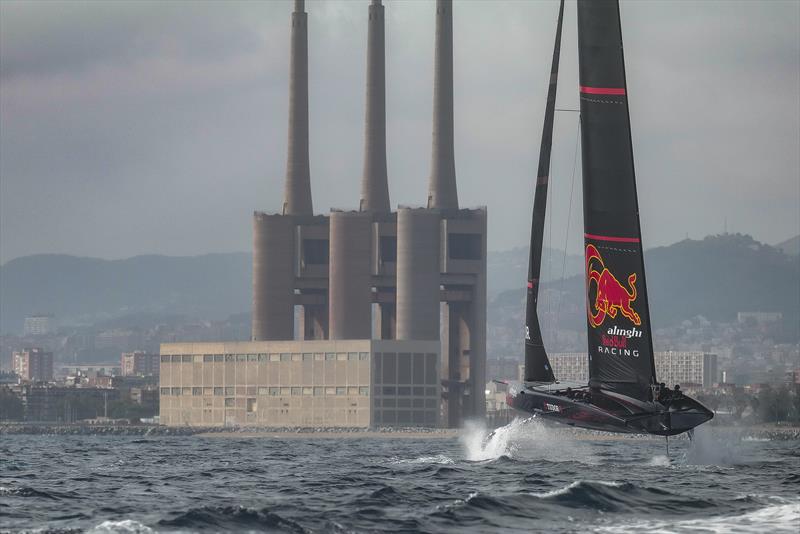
(698,369)
(139,363)
(414,277)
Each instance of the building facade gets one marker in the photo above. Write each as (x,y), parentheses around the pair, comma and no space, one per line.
(320,383)
(38,325)
(34,365)
(139,363)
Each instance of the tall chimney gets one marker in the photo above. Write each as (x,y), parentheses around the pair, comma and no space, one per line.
(442,191)
(374,183)
(297,196)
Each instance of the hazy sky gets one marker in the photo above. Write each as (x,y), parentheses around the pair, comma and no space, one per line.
(158,127)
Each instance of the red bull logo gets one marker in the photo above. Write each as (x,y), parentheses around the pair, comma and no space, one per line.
(611,297)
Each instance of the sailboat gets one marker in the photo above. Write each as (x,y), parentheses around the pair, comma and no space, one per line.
(622,394)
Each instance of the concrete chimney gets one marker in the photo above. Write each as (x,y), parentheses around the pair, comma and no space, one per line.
(374,183)
(442,193)
(297,195)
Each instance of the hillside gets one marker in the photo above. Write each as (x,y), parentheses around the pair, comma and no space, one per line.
(714,277)
(790,246)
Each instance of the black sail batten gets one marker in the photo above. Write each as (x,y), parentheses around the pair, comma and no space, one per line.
(537,365)
(619,333)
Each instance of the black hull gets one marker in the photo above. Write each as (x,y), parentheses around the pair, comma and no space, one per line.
(606,411)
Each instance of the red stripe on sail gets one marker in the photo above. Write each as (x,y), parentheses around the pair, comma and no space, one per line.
(612,238)
(602,90)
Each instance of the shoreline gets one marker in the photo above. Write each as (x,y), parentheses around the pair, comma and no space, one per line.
(756,432)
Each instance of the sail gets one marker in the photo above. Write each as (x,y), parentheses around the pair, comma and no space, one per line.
(620,341)
(537,365)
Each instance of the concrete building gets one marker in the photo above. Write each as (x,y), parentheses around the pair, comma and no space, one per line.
(38,325)
(320,383)
(34,365)
(684,368)
(139,363)
(410,275)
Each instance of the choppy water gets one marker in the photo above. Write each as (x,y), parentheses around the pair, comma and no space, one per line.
(525,479)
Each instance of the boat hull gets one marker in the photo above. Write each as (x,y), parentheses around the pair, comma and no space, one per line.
(607,411)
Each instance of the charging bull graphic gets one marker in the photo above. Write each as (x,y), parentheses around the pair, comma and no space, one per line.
(611,296)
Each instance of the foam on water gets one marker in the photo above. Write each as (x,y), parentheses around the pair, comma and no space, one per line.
(436,459)
(522,439)
(659,461)
(776,519)
(126,525)
(565,490)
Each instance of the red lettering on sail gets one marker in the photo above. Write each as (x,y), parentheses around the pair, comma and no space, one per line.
(611,296)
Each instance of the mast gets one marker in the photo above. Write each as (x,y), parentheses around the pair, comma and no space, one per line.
(619,334)
(537,365)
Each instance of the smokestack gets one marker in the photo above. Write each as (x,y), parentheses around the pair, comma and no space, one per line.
(297,196)
(374,183)
(442,191)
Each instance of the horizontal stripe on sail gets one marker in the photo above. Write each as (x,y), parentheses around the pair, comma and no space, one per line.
(602,90)
(612,238)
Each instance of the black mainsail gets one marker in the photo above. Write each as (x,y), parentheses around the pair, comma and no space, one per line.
(619,336)
(537,365)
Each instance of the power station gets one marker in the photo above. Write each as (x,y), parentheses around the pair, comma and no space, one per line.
(405,287)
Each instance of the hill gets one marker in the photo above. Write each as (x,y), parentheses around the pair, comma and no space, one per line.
(715,277)
(790,246)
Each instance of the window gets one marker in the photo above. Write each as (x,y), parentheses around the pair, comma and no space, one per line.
(315,251)
(263,357)
(388,248)
(286,357)
(297,391)
(363,356)
(186,391)
(241,357)
(307,357)
(341,391)
(419,392)
(330,391)
(404,391)
(208,391)
(352,391)
(176,358)
(389,391)
(207,358)
(404,368)
(176,391)
(319,391)
(295,357)
(286,391)
(218,358)
(164,358)
(352,356)
(252,405)
(252,357)
(230,402)
(404,403)
(187,358)
(330,356)
(230,357)
(263,391)
(274,392)
(363,391)
(197,391)
(218,392)
(341,356)
(230,390)
(274,357)
(308,391)
(464,246)
(318,356)
(165,391)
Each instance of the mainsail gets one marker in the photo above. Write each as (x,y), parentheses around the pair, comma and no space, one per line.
(619,336)
(537,365)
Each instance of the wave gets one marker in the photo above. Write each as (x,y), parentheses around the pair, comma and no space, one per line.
(776,519)
(24,491)
(231,518)
(436,459)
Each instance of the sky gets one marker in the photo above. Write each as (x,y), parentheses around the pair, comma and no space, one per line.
(143,127)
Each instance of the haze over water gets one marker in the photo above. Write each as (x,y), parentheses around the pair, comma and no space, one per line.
(527,478)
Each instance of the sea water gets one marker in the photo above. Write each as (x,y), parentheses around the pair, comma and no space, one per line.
(526,478)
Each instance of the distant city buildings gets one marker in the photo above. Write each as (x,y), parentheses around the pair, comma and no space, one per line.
(38,325)
(139,363)
(34,365)
(759,317)
(687,368)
